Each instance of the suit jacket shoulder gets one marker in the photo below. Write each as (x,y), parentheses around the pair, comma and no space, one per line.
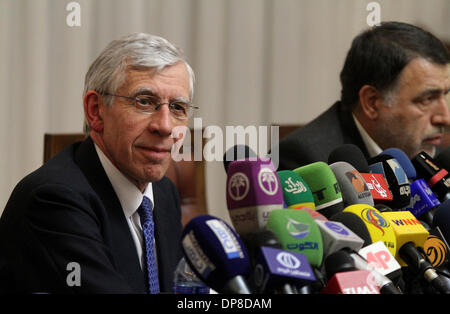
(317,139)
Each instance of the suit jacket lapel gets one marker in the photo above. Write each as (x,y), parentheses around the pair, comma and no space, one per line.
(121,243)
(167,241)
(349,130)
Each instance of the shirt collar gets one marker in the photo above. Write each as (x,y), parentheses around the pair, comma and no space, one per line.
(129,195)
(372,148)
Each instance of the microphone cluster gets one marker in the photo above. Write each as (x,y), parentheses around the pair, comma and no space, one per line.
(349,226)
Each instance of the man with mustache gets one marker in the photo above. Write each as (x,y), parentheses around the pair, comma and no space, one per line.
(394,83)
(100,217)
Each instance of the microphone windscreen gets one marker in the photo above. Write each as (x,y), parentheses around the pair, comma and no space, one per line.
(296,191)
(406,228)
(297,232)
(214,251)
(395,177)
(255,240)
(336,236)
(238,152)
(352,154)
(443,159)
(441,219)
(253,190)
(354,223)
(437,178)
(379,227)
(324,186)
(403,160)
(354,188)
(338,262)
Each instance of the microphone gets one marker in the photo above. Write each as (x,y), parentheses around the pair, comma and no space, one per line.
(324,186)
(336,236)
(354,223)
(253,191)
(374,250)
(349,153)
(411,234)
(441,221)
(216,254)
(296,191)
(314,213)
(376,183)
(298,233)
(380,258)
(238,152)
(403,160)
(436,248)
(279,270)
(345,278)
(396,178)
(437,178)
(379,228)
(443,159)
(423,200)
(378,187)
(353,187)
(255,242)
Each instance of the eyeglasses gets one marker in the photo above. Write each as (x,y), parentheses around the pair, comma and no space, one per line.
(148,104)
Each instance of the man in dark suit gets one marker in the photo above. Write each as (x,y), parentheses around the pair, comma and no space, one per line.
(394,83)
(77,223)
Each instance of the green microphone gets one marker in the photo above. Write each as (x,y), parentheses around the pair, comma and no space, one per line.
(324,186)
(296,191)
(298,233)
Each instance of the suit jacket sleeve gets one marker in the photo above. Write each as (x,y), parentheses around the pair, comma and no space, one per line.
(61,227)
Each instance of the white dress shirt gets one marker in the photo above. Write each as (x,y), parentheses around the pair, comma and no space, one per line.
(372,148)
(130,198)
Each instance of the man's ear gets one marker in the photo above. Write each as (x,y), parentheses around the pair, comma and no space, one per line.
(371,100)
(92,110)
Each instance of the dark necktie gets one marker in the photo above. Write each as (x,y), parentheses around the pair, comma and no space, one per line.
(146,214)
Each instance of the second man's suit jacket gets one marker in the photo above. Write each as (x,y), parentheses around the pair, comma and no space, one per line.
(317,139)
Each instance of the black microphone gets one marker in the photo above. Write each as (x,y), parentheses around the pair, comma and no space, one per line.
(437,178)
(396,178)
(443,159)
(352,154)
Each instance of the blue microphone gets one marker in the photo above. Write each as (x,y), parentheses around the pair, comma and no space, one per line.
(216,254)
(423,200)
(403,160)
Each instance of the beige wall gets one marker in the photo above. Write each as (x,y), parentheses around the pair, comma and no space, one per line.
(256,61)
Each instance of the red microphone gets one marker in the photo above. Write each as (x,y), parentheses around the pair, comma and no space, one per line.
(351,282)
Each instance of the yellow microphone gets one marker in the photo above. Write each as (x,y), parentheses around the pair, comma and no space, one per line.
(407,229)
(410,234)
(379,228)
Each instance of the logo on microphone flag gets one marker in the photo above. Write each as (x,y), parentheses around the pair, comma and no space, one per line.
(297,229)
(238,186)
(226,237)
(268,181)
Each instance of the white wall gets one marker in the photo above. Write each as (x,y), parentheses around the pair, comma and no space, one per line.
(257,62)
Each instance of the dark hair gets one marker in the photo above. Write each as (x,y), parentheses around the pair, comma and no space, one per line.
(378,55)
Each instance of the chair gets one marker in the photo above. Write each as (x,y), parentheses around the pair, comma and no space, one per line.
(192,192)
